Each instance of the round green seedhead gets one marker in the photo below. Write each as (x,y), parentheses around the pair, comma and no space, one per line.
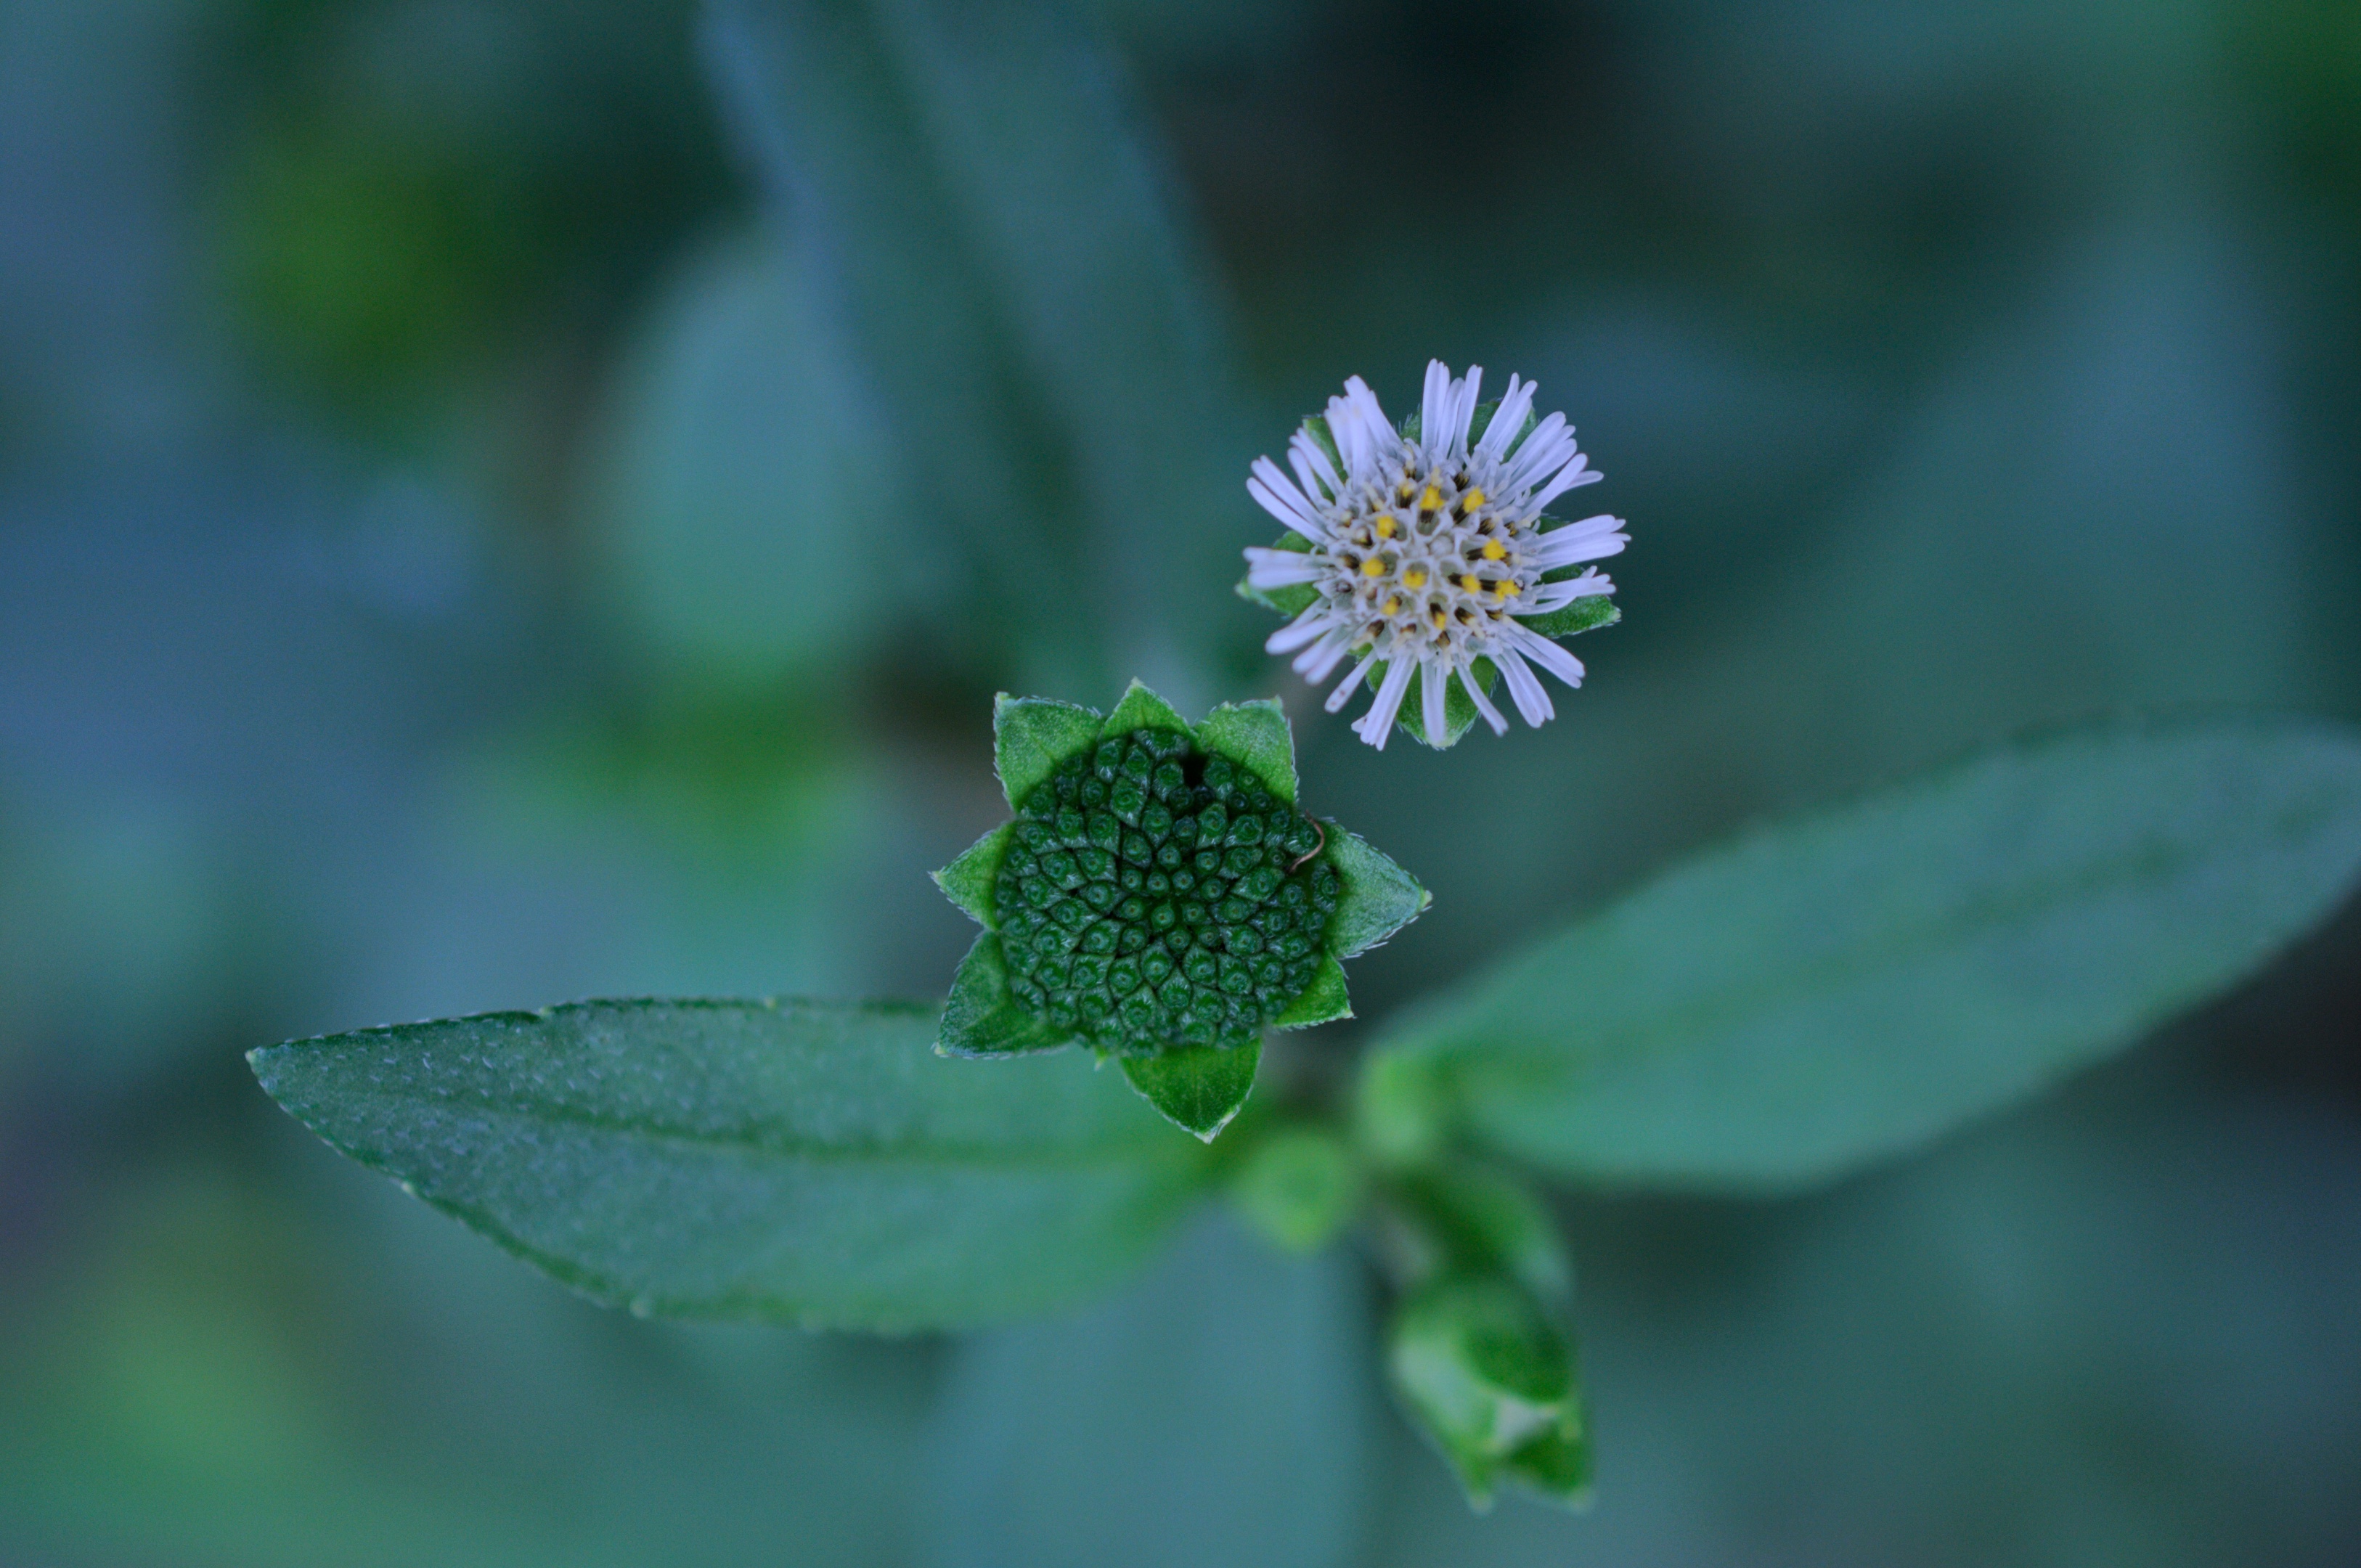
(1151,898)
(1159,897)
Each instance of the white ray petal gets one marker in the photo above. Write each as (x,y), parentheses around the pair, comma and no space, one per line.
(1360,428)
(1281,568)
(1577,472)
(1592,539)
(1483,704)
(1434,407)
(1379,722)
(1466,393)
(1546,653)
(1351,682)
(1315,619)
(1557,596)
(1433,686)
(1316,455)
(1507,420)
(1315,662)
(1276,494)
(1550,444)
(1345,429)
(1305,478)
(1524,689)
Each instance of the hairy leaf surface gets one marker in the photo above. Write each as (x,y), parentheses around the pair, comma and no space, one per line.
(807,1161)
(1827,990)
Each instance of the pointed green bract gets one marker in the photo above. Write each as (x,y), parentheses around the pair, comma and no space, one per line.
(1379,897)
(1142,709)
(1292,599)
(1256,736)
(1828,991)
(1031,735)
(982,1020)
(967,881)
(1322,1001)
(1199,1089)
(1587,614)
(794,1161)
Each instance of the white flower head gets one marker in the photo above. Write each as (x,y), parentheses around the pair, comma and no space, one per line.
(1426,553)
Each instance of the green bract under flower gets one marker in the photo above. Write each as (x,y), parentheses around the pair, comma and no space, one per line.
(1160,898)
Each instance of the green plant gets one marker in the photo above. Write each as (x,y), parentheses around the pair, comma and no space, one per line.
(1776,1013)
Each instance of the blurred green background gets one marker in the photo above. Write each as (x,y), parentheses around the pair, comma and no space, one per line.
(503,500)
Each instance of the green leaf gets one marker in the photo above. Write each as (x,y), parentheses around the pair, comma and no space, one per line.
(967,881)
(1197,1090)
(852,161)
(1379,898)
(982,1019)
(702,516)
(1299,1187)
(1036,136)
(1142,709)
(1256,736)
(1030,736)
(1470,1219)
(1323,1001)
(1585,614)
(1487,1374)
(1554,1466)
(801,1161)
(1850,985)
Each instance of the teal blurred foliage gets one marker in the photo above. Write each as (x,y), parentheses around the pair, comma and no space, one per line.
(501,502)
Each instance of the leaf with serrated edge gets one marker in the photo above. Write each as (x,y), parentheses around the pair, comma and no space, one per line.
(794,1161)
(1198,1089)
(1322,1001)
(1585,614)
(1142,709)
(1256,736)
(982,1019)
(1826,991)
(968,880)
(1379,897)
(1030,736)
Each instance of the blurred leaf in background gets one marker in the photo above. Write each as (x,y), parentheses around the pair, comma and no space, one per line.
(406,196)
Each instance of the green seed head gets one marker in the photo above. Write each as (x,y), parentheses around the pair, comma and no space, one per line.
(1154,897)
